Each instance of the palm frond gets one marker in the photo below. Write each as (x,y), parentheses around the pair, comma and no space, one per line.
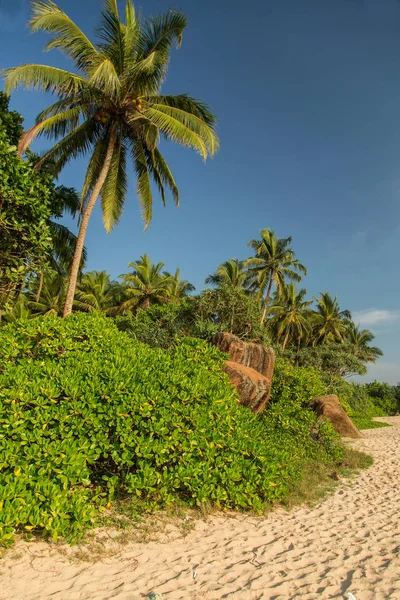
(193,123)
(64,242)
(45,78)
(77,143)
(55,126)
(106,79)
(188,104)
(94,167)
(164,174)
(47,16)
(114,190)
(174,130)
(112,36)
(143,187)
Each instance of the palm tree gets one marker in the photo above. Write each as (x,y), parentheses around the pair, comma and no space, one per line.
(113,108)
(329,320)
(359,341)
(146,285)
(231,273)
(178,288)
(96,292)
(52,298)
(273,264)
(291,315)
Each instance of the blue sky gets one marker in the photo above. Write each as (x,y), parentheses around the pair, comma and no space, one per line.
(307,95)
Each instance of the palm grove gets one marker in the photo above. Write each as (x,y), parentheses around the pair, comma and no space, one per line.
(110,110)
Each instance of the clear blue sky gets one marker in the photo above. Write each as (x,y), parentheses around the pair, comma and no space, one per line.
(307,95)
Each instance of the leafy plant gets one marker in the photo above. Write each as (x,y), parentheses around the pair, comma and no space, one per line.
(87,415)
(25,241)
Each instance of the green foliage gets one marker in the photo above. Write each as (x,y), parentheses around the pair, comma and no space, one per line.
(88,414)
(290,421)
(384,397)
(10,121)
(160,325)
(25,197)
(232,310)
(334,360)
(293,384)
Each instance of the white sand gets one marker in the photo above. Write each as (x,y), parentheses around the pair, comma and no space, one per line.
(349,543)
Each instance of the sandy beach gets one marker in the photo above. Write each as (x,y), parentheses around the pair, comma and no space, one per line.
(348,543)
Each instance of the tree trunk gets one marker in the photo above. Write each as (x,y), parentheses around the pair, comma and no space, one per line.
(285,341)
(40,286)
(85,222)
(267,297)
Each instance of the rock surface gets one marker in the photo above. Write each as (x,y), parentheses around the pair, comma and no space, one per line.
(250,369)
(253,388)
(255,356)
(330,408)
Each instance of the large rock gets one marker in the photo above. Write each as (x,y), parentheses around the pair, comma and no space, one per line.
(257,357)
(253,388)
(330,408)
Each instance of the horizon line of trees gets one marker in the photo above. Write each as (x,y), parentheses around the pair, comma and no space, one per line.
(256,298)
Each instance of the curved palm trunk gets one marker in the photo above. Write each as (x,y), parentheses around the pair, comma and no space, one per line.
(285,341)
(267,297)
(85,222)
(40,286)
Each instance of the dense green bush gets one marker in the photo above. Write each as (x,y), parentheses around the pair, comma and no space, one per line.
(25,199)
(161,326)
(384,397)
(289,420)
(292,384)
(87,413)
(233,310)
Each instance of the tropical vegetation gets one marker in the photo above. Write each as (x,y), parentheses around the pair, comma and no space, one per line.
(111,107)
(126,397)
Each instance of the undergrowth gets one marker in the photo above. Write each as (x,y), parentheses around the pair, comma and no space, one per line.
(88,416)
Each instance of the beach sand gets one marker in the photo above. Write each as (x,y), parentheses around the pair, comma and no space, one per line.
(350,542)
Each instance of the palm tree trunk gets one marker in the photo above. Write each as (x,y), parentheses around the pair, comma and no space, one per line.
(40,286)
(285,341)
(69,300)
(267,297)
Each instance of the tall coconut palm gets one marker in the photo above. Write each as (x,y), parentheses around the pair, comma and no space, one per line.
(145,285)
(273,264)
(178,288)
(96,292)
(112,108)
(329,320)
(290,316)
(359,341)
(231,273)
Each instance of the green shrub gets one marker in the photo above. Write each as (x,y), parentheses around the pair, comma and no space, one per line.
(88,414)
(161,326)
(290,421)
(292,384)
(383,396)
